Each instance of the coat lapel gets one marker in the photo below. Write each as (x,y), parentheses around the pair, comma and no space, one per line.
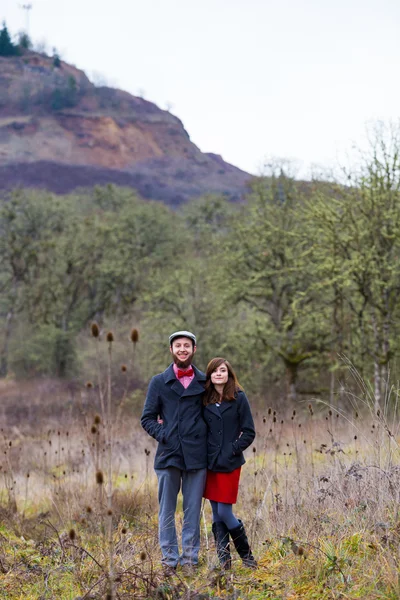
(213,408)
(218,410)
(195,387)
(225,406)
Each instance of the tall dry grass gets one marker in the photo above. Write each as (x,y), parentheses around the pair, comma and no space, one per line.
(319,497)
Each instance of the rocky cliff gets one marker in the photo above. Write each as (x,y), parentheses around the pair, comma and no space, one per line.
(58,131)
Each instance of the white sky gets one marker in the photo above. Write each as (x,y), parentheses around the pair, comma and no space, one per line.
(250,79)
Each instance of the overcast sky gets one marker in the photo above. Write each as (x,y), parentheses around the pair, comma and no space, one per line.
(250,79)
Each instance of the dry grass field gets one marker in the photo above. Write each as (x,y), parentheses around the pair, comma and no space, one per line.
(319,497)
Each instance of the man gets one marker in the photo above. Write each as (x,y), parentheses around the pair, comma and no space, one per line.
(172,415)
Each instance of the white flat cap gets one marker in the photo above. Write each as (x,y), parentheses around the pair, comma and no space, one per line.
(186,334)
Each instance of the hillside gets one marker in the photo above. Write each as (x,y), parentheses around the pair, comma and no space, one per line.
(58,131)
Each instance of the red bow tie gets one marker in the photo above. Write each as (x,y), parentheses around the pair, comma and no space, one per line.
(187,373)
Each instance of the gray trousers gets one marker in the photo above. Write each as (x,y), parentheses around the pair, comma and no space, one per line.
(169,484)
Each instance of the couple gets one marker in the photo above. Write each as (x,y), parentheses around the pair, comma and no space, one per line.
(202,423)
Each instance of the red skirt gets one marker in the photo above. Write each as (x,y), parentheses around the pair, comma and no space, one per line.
(222,487)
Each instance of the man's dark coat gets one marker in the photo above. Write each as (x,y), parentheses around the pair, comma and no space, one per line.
(230,431)
(182,437)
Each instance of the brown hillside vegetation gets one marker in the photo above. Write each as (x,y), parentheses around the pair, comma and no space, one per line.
(54,120)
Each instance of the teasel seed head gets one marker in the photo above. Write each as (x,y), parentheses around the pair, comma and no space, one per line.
(109,512)
(89,385)
(143,555)
(123,368)
(99,477)
(134,336)
(378,413)
(95,329)
(269,411)
(124,530)
(264,420)
(89,509)
(71,534)
(93,429)
(110,337)
(97,419)
(254,449)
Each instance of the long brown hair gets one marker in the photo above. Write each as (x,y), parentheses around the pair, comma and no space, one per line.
(232,386)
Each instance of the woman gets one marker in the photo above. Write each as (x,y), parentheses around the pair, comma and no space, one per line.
(230,431)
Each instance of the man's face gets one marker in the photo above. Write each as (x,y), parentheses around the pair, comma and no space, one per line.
(182,351)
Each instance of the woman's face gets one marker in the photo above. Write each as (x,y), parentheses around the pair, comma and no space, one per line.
(220,375)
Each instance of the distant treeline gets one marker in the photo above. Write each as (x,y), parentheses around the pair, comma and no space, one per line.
(8,47)
(288,286)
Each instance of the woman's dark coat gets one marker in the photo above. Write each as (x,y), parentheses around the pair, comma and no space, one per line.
(230,432)
(182,437)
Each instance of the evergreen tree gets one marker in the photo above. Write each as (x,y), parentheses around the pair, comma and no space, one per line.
(7,48)
(24,41)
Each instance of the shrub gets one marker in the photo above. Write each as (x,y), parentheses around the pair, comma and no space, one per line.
(47,351)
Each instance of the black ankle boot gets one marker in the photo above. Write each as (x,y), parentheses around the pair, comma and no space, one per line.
(239,537)
(221,536)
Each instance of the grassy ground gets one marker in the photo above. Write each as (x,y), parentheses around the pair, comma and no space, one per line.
(319,498)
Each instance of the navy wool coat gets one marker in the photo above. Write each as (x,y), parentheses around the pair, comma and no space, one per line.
(182,437)
(230,431)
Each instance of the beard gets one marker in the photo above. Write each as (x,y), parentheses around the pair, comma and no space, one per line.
(183,364)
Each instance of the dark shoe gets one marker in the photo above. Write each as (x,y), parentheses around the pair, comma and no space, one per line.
(168,571)
(239,538)
(221,536)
